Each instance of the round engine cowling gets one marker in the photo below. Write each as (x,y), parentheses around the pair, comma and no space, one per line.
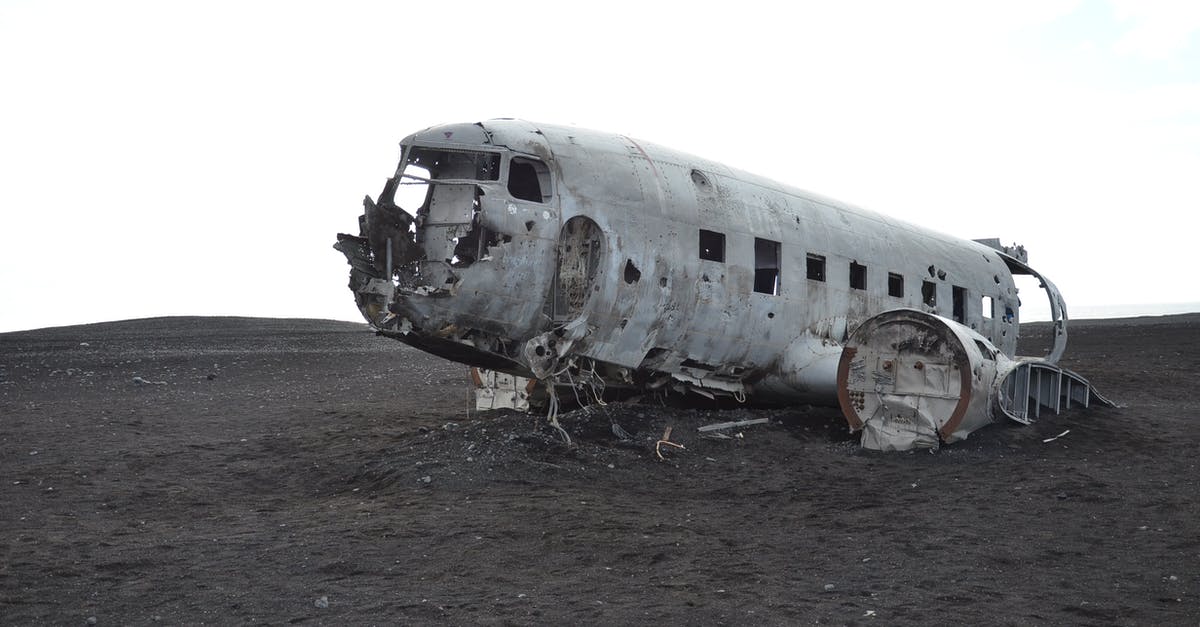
(910,379)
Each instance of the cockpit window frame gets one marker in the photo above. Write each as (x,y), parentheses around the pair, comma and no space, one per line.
(544,179)
(495,167)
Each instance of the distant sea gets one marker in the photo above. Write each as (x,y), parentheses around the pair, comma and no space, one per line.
(1040,311)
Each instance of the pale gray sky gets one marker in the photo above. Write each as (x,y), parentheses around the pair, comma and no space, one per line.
(165,158)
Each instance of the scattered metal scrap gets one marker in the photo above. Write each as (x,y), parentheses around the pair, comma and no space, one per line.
(665,440)
(733,425)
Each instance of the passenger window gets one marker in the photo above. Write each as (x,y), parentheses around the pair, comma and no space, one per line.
(528,179)
(858,276)
(712,246)
(766,266)
(895,285)
(816,267)
(929,293)
(959,294)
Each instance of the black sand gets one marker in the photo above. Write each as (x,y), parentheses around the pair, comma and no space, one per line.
(306,471)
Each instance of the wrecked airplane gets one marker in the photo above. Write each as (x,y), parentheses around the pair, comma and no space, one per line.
(588,260)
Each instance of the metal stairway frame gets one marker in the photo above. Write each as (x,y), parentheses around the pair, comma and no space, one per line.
(1034,384)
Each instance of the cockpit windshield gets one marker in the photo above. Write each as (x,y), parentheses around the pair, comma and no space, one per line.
(423,165)
(455,164)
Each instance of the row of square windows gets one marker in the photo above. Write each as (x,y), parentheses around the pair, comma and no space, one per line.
(767,262)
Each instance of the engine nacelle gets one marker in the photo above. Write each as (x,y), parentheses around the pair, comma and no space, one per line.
(910,379)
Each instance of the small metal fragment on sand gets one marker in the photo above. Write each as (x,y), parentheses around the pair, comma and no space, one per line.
(1056,437)
(730,425)
(666,439)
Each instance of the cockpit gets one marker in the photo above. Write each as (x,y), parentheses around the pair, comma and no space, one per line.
(444,191)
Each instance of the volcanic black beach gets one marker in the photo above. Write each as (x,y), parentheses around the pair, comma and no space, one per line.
(233,470)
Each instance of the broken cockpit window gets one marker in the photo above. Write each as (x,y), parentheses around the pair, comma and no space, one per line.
(456,164)
(528,179)
(439,187)
(413,190)
(429,165)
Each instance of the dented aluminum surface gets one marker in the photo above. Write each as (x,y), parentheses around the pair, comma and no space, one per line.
(589,259)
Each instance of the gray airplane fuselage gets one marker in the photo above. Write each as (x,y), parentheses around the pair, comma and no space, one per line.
(538,249)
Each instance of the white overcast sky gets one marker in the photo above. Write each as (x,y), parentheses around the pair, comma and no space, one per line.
(171,158)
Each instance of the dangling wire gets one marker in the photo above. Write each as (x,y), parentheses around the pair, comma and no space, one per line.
(553,412)
(594,381)
(574,387)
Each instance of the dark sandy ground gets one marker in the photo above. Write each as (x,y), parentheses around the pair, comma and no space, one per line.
(285,471)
